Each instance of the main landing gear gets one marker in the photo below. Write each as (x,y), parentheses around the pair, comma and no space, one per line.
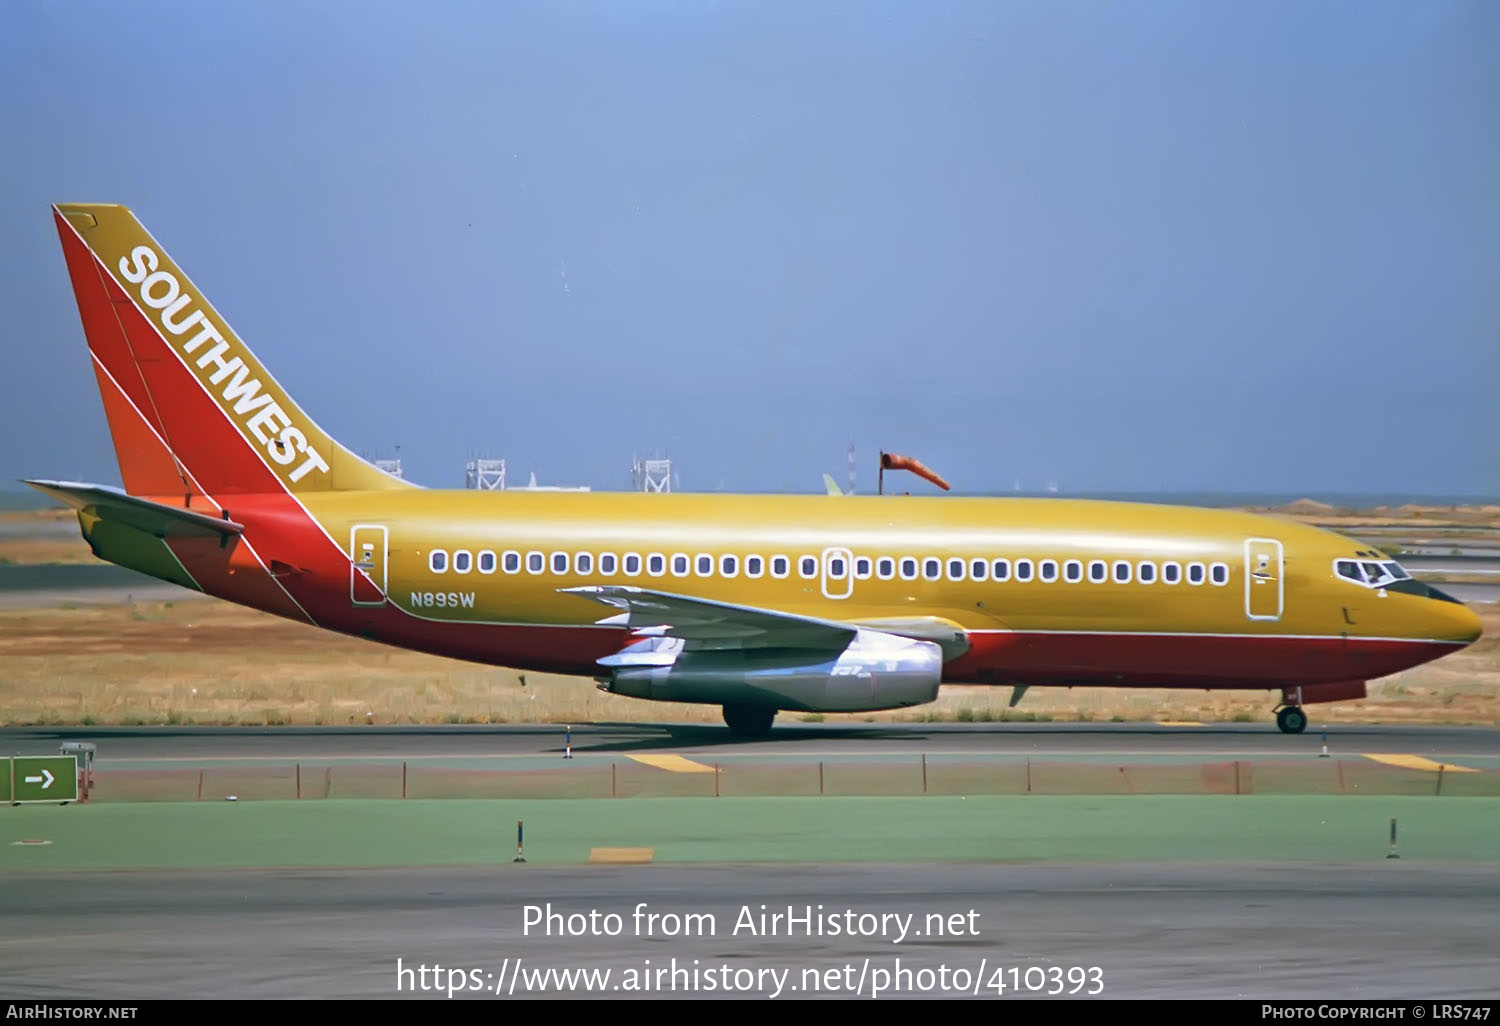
(748,720)
(1291,719)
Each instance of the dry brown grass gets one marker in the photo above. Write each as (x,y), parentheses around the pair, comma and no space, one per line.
(49,515)
(37,551)
(206,661)
(32,537)
(1424,518)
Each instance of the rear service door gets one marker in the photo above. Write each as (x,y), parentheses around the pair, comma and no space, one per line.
(367,554)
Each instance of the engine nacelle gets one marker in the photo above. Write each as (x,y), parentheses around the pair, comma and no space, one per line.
(876,671)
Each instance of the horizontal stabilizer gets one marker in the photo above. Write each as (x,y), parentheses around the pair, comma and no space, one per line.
(101,502)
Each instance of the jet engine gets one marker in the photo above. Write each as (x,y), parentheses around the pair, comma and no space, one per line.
(876,671)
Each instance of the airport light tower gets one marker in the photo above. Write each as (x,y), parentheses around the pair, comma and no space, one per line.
(485,474)
(653,475)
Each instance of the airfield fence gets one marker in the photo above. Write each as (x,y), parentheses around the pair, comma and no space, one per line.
(930,775)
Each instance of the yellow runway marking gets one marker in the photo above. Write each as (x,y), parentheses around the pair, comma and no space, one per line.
(673,763)
(1178,723)
(1417,762)
(617,856)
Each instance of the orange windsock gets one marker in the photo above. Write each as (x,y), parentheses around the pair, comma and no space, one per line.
(891,461)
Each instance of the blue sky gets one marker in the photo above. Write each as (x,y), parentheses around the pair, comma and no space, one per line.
(1248,246)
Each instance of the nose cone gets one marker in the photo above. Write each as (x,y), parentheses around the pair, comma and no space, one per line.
(1443,617)
(1456,622)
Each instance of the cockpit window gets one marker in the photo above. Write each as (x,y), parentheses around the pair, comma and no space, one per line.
(1371,575)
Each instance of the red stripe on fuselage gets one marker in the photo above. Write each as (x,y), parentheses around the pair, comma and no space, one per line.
(1182,660)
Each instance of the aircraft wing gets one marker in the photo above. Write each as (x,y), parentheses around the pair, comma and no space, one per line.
(101,502)
(706,624)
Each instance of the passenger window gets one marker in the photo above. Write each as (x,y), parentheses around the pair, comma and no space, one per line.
(754,566)
(955,569)
(780,566)
(1122,571)
(462,562)
(808,567)
(679,565)
(705,566)
(1072,571)
(862,568)
(583,562)
(885,568)
(1098,571)
(1171,573)
(908,568)
(729,566)
(1048,570)
(656,564)
(1195,573)
(932,569)
(1002,570)
(486,562)
(511,562)
(535,562)
(1145,572)
(1023,569)
(837,568)
(559,562)
(437,561)
(1220,573)
(632,564)
(607,564)
(979,569)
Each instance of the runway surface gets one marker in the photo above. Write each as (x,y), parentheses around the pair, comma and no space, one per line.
(205,744)
(1317,931)
(1470,591)
(1450,563)
(83,584)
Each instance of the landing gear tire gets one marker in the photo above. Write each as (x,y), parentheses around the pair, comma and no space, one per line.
(749,720)
(1291,720)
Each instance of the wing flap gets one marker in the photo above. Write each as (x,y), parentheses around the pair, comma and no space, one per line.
(706,624)
(946,634)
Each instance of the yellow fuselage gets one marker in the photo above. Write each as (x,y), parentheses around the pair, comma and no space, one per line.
(502,558)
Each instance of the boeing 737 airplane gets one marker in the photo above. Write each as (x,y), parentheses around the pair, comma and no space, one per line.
(755,603)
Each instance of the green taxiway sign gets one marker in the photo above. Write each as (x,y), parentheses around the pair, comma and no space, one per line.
(43,778)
